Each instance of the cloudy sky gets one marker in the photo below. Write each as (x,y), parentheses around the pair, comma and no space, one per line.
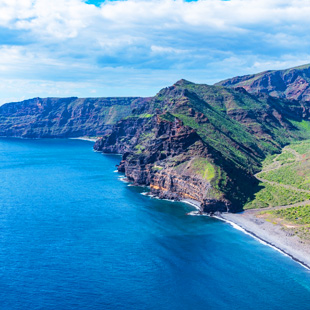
(135,47)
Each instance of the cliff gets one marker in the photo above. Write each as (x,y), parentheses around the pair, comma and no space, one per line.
(293,83)
(167,155)
(202,142)
(63,117)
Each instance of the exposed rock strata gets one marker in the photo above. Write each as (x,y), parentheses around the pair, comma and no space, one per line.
(165,160)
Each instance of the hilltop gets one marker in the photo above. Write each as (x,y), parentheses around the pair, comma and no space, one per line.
(293,83)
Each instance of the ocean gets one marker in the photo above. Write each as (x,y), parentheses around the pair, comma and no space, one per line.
(74,236)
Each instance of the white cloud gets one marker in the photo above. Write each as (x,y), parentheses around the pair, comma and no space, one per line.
(130,41)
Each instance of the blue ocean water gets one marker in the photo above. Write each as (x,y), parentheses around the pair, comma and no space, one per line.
(73,236)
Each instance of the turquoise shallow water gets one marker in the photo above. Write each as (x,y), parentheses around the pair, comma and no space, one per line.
(73,236)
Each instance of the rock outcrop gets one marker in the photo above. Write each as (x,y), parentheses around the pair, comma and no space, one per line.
(166,155)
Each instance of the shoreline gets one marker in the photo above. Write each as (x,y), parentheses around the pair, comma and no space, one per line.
(269,234)
(192,203)
(264,232)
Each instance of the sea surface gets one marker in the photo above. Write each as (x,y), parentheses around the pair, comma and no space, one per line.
(74,236)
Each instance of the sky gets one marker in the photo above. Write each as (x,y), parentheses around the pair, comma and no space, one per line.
(63,48)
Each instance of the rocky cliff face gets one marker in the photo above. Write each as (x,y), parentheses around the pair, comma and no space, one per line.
(291,83)
(169,157)
(202,142)
(63,117)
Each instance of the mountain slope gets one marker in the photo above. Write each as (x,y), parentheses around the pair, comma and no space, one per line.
(293,83)
(63,117)
(202,142)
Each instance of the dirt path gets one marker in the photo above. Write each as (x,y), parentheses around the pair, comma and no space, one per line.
(278,166)
(297,204)
(283,185)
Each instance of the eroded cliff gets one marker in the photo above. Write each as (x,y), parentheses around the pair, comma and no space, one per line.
(202,142)
(169,157)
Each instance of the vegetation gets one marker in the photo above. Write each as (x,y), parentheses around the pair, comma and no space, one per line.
(297,215)
(285,157)
(274,195)
(157,168)
(238,134)
(301,148)
(139,148)
(295,220)
(287,177)
(296,174)
(204,168)
(143,115)
(167,117)
(236,151)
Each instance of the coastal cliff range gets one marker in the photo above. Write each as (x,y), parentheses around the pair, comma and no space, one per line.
(63,117)
(190,141)
(203,142)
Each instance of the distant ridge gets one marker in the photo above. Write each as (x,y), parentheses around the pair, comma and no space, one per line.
(292,83)
(63,117)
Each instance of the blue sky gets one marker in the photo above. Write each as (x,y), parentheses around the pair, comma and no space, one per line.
(126,48)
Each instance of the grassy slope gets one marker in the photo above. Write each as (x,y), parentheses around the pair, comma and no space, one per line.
(285,189)
(285,177)
(232,139)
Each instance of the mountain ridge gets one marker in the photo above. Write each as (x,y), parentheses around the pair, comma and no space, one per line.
(196,135)
(292,83)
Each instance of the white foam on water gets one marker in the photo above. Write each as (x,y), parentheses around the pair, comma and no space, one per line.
(123,179)
(234,225)
(197,213)
(155,197)
(191,204)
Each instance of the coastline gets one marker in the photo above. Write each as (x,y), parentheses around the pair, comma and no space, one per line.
(270,234)
(265,232)
(193,203)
